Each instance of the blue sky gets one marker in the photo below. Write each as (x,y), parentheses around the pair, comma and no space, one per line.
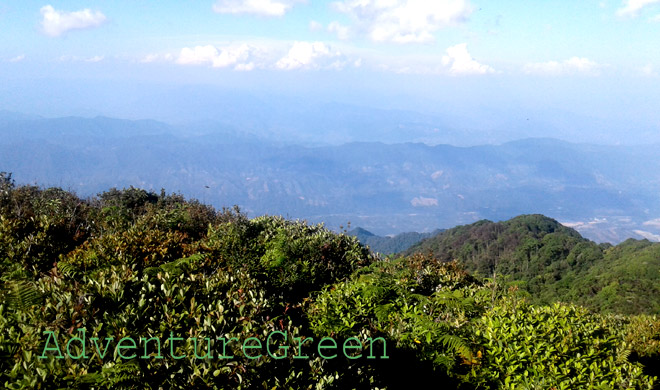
(511,37)
(592,57)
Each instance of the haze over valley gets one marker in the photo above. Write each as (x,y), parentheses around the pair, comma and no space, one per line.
(608,193)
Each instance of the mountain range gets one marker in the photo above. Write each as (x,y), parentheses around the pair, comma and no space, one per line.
(387,245)
(608,193)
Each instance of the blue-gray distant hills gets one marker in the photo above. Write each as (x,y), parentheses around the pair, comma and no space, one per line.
(608,193)
(387,245)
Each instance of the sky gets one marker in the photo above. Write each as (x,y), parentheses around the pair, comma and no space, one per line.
(592,58)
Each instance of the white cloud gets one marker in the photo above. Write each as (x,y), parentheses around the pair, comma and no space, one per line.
(257,7)
(648,235)
(655,18)
(56,23)
(264,55)
(307,55)
(70,58)
(315,26)
(460,61)
(198,55)
(569,66)
(156,58)
(404,21)
(94,59)
(653,222)
(18,58)
(245,67)
(632,8)
(421,201)
(237,56)
(342,31)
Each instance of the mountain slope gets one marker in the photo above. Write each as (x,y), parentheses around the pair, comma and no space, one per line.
(554,262)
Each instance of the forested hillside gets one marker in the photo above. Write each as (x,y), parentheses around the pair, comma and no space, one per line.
(133,289)
(554,263)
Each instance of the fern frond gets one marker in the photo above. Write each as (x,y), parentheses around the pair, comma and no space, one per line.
(68,269)
(457,345)
(121,375)
(176,267)
(383,311)
(21,295)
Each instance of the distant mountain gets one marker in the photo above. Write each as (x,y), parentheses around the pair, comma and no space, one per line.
(555,262)
(389,244)
(607,192)
(18,128)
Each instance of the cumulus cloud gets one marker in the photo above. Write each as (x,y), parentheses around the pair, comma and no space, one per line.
(237,56)
(56,23)
(246,57)
(404,21)
(421,201)
(308,55)
(256,7)
(342,31)
(245,67)
(460,62)
(569,66)
(632,8)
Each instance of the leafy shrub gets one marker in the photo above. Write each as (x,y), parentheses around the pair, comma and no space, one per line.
(290,257)
(559,346)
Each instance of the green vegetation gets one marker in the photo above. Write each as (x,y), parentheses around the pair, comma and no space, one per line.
(133,264)
(554,263)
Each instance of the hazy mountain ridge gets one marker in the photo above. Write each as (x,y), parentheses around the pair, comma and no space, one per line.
(386,245)
(386,188)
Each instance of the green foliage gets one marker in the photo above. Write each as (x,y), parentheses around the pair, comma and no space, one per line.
(132,263)
(555,264)
(559,346)
(20,295)
(642,334)
(37,226)
(289,257)
(423,308)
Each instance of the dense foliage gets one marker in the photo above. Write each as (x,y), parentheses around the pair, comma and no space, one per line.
(173,273)
(554,263)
